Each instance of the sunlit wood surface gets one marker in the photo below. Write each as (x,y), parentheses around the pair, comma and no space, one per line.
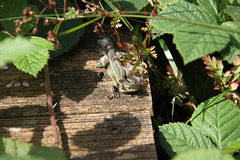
(91,125)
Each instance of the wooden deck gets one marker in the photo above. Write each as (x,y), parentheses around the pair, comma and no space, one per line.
(91,125)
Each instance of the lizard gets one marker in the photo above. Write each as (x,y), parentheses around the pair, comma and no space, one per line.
(115,70)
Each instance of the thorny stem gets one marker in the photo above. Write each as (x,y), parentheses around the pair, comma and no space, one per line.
(76,4)
(42,3)
(64,9)
(50,106)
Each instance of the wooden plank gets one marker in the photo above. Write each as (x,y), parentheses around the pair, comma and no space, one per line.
(88,134)
(91,125)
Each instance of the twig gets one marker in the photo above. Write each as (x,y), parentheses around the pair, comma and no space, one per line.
(50,106)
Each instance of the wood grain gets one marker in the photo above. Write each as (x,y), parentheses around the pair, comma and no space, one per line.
(91,125)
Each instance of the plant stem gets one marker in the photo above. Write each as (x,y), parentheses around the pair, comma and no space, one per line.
(78,27)
(50,106)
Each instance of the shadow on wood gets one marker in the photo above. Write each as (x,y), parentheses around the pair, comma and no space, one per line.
(110,134)
(34,118)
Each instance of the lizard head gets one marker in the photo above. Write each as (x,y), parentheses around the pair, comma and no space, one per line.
(126,86)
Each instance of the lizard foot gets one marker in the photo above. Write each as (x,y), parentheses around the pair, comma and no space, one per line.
(115,93)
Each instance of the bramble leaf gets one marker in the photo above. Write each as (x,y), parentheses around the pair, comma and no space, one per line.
(132,5)
(219,118)
(33,61)
(180,13)
(211,154)
(179,137)
(232,50)
(213,8)
(198,41)
(17,150)
(195,28)
(232,146)
(13,48)
(165,3)
(234,12)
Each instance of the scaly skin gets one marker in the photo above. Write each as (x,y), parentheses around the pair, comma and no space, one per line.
(118,75)
(115,71)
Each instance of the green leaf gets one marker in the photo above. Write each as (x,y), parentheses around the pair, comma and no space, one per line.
(165,3)
(43,43)
(14,8)
(232,50)
(180,13)
(195,28)
(233,1)
(232,146)
(212,7)
(179,137)
(132,5)
(212,154)
(66,41)
(128,5)
(13,48)
(234,12)
(37,58)
(198,41)
(17,150)
(219,118)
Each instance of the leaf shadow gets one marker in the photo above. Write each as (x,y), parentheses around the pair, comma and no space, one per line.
(113,132)
(144,152)
(35,118)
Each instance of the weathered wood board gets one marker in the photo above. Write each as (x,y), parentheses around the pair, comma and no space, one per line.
(92,126)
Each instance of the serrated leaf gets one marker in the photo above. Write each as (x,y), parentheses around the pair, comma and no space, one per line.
(194,28)
(219,118)
(234,12)
(212,154)
(180,11)
(42,42)
(233,48)
(230,52)
(212,7)
(198,41)
(34,61)
(17,150)
(179,137)
(13,48)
